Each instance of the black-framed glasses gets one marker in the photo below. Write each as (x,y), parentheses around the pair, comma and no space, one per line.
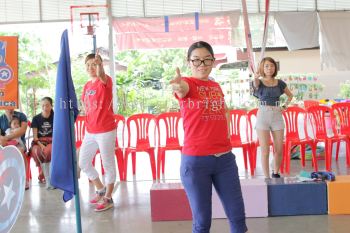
(206,62)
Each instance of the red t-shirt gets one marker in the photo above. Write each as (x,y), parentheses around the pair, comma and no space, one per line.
(97,98)
(204,118)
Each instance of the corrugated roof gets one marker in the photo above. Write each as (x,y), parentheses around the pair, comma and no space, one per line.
(31,11)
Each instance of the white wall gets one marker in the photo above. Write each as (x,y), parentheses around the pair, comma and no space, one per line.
(308,61)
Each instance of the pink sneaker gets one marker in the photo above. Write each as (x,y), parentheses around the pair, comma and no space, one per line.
(98,196)
(106,204)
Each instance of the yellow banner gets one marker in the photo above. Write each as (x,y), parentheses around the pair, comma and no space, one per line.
(8,72)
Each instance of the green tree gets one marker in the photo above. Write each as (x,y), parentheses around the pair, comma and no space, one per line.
(345,90)
(34,67)
(143,87)
(34,71)
(79,75)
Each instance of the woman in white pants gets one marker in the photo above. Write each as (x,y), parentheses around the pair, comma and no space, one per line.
(100,131)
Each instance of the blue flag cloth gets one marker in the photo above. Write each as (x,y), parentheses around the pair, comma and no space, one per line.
(62,175)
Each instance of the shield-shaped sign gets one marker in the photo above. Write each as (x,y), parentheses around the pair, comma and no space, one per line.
(12,185)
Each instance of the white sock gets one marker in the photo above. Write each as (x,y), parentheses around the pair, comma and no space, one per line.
(103,190)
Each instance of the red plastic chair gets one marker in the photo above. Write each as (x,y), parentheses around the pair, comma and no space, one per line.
(292,137)
(29,135)
(341,112)
(237,141)
(29,139)
(79,131)
(169,120)
(79,128)
(318,117)
(309,103)
(120,122)
(142,123)
(252,138)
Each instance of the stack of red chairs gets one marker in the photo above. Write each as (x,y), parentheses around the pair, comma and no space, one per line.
(79,129)
(237,117)
(120,122)
(309,103)
(28,137)
(341,112)
(318,118)
(252,138)
(79,132)
(167,128)
(142,141)
(292,137)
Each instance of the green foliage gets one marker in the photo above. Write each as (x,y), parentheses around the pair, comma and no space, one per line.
(143,87)
(33,71)
(345,90)
(79,75)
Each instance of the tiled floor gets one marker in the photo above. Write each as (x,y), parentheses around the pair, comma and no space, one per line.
(44,212)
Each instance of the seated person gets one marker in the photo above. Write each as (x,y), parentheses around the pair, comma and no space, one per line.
(5,120)
(42,125)
(15,126)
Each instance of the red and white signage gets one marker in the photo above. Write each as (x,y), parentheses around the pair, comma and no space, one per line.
(174,31)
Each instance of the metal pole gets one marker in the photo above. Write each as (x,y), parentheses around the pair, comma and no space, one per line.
(93,36)
(76,182)
(94,43)
(111,57)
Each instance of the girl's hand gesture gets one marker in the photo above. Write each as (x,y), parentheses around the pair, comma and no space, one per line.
(99,68)
(257,75)
(176,81)
(98,59)
(179,86)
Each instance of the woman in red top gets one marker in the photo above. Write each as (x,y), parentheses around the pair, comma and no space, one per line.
(100,131)
(207,159)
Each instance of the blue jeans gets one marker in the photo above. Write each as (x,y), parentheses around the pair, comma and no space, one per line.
(198,174)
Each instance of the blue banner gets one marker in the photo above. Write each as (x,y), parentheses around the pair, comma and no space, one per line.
(63,145)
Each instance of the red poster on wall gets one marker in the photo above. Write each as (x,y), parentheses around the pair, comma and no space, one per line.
(8,72)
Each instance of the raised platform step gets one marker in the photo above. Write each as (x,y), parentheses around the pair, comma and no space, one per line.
(339,195)
(169,201)
(286,196)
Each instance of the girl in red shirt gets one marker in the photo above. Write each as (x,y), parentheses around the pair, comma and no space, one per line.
(206,158)
(100,131)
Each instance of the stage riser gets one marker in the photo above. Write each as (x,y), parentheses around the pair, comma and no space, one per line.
(275,197)
(339,196)
(254,193)
(306,198)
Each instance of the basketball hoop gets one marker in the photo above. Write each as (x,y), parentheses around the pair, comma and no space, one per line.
(90,30)
(89,21)
(86,18)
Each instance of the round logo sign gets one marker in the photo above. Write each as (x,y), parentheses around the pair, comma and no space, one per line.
(12,182)
(5,73)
